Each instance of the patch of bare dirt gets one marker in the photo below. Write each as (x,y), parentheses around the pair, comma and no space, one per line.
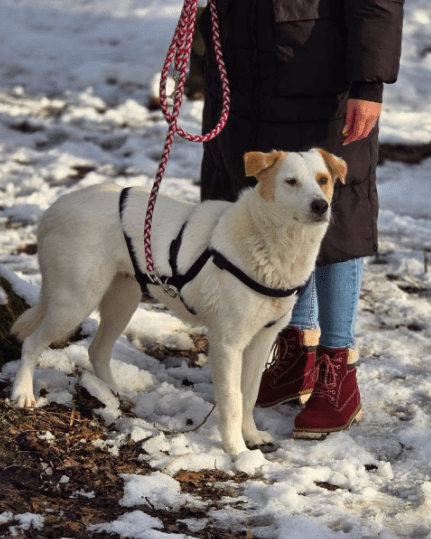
(49,466)
(411,154)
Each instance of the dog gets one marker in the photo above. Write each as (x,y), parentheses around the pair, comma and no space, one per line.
(271,234)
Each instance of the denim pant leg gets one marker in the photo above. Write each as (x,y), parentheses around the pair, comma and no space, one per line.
(338,287)
(305,311)
(330,300)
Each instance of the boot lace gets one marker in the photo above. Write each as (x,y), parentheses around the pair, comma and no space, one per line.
(325,375)
(280,351)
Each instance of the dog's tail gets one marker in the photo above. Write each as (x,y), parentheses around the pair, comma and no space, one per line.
(28,322)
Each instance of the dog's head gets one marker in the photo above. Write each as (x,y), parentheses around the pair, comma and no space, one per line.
(299,186)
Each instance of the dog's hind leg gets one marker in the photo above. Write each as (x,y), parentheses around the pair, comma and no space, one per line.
(255,356)
(60,318)
(28,322)
(116,308)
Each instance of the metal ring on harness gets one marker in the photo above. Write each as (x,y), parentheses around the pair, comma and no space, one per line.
(168,288)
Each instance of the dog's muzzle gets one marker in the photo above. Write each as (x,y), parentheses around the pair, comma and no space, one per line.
(319,208)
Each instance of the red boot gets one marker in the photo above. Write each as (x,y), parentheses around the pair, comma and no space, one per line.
(335,402)
(289,375)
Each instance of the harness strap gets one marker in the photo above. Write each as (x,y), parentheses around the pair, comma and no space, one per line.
(176,280)
(179,281)
(138,273)
(174,250)
(223,263)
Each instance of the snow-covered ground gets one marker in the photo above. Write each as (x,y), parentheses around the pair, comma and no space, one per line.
(75,78)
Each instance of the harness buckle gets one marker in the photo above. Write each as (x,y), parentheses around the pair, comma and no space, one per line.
(171,290)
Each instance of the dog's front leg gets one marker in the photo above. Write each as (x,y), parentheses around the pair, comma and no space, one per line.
(255,356)
(226,360)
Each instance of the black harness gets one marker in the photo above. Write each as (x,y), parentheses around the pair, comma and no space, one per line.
(178,281)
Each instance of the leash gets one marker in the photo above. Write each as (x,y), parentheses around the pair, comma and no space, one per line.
(178,54)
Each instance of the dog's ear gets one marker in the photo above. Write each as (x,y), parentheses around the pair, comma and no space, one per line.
(258,162)
(337,167)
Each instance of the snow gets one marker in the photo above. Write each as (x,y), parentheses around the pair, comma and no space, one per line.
(157,489)
(406,116)
(23,522)
(76,79)
(250,462)
(132,525)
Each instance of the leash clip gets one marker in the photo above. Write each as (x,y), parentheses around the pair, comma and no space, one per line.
(176,77)
(154,277)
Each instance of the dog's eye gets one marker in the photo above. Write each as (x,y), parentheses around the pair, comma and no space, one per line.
(290,181)
(323,180)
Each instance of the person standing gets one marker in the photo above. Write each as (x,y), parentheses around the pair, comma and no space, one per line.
(302,75)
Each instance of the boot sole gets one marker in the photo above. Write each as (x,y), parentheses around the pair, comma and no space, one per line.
(318,434)
(301,397)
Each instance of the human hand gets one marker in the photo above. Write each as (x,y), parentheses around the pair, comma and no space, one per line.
(361,117)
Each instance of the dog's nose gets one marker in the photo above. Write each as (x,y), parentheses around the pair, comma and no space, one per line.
(319,206)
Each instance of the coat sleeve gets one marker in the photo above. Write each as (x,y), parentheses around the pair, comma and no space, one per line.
(374,31)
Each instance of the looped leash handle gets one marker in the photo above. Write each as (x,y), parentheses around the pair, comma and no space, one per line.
(178,54)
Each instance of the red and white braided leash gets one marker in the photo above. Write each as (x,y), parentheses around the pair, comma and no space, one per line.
(179,53)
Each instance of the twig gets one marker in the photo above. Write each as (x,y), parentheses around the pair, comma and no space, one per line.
(73,415)
(166,466)
(150,504)
(415,281)
(174,432)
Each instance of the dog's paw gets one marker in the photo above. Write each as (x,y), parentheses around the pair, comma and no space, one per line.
(127,399)
(23,400)
(234,447)
(258,437)
(22,390)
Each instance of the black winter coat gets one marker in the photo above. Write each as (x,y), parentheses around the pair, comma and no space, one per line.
(292,66)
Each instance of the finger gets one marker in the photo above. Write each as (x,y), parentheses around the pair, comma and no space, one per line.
(357,128)
(369,125)
(350,118)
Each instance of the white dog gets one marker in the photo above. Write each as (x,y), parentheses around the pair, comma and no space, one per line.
(272,234)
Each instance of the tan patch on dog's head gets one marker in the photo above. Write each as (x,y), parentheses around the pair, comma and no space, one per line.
(337,168)
(326,183)
(262,167)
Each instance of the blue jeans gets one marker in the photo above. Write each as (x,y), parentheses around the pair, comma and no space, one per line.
(330,301)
